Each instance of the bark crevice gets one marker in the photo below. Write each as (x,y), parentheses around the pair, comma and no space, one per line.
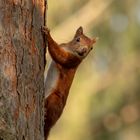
(21,70)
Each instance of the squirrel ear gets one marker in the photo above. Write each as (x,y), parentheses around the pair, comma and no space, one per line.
(94,40)
(79,31)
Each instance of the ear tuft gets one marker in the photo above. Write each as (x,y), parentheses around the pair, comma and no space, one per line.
(79,31)
(94,40)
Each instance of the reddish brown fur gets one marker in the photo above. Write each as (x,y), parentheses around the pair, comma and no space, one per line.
(56,101)
(66,57)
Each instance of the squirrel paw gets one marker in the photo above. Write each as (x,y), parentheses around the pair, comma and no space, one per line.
(45,30)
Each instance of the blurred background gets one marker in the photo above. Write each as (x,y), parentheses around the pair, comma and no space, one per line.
(104,100)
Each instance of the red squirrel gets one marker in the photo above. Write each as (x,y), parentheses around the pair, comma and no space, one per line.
(65,59)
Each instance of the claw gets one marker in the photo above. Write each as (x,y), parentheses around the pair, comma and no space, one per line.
(45,29)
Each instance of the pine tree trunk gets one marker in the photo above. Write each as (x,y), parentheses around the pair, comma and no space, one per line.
(22,52)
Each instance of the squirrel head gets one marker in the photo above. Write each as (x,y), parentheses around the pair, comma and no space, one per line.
(81,45)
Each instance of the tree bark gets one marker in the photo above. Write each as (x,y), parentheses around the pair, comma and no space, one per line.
(22,52)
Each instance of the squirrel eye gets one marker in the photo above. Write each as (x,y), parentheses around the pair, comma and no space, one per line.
(78,39)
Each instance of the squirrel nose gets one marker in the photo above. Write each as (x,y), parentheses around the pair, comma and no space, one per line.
(84,50)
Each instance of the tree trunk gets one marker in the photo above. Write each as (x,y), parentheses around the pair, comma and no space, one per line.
(22,51)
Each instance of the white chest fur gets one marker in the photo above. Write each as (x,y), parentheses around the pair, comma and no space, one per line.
(51,79)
